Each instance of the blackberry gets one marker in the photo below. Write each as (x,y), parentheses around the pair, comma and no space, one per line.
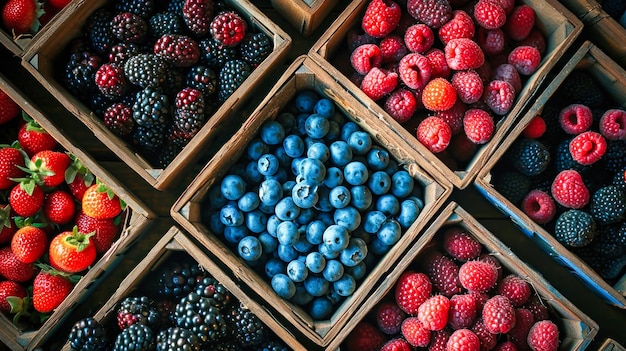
(141,8)
(615,156)
(227,346)
(247,328)
(564,159)
(609,241)
(165,23)
(255,48)
(202,78)
(178,50)
(550,114)
(176,7)
(272,345)
(169,153)
(137,310)
(619,179)
(119,119)
(110,80)
(151,107)
(608,205)
(529,156)
(119,53)
(205,321)
(231,76)
(146,70)
(100,37)
(512,185)
(80,73)
(129,27)
(580,87)
(189,115)
(197,15)
(575,228)
(149,138)
(213,290)
(179,277)
(98,103)
(174,81)
(433,13)
(215,55)
(137,337)
(175,338)
(228,28)
(88,334)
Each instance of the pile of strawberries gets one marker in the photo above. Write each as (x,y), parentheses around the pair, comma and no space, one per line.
(447,70)
(56,219)
(25,17)
(457,298)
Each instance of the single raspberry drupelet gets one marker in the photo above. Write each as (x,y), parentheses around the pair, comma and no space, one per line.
(543,336)
(535,129)
(228,28)
(460,245)
(463,311)
(111,80)
(433,13)
(415,70)
(381,18)
(477,275)
(463,340)
(433,313)
(539,206)
(439,95)
(459,26)
(520,22)
(576,118)
(588,147)
(443,273)
(569,190)
(389,317)
(575,228)
(498,315)
(419,38)
(379,82)
(489,14)
(526,59)
(401,105)
(515,288)
(468,85)
(613,124)
(434,133)
(365,57)
(411,290)
(414,332)
(463,53)
(478,125)
(499,95)
(179,50)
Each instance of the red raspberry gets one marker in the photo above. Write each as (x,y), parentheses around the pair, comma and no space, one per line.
(575,118)
(389,317)
(524,320)
(365,57)
(588,147)
(460,245)
(489,14)
(228,28)
(438,95)
(433,13)
(498,315)
(487,339)
(613,124)
(419,38)
(381,18)
(478,126)
(484,71)
(434,133)
(443,273)
(414,332)
(515,288)
(468,85)
(535,128)
(463,53)
(411,290)
(539,206)
(505,346)
(392,48)
(569,190)
(461,148)
(487,257)
(379,82)
(365,337)
(433,313)
(507,5)
(478,275)
(499,95)
(543,336)
(459,26)
(397,344)
(525,59)
(414,70)
(401,105)
(535,39)
(356,38)
(463,340)
(438,65)
(491,41)
(438,340)
(462,311)
(453,116)
(508,73)
(538,308)
(520,22)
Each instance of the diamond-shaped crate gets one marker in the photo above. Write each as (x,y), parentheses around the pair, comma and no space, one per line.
(194,208)
(304,15)
(603,79)
(576,330)
(558,26)
(161,166)
(133,223)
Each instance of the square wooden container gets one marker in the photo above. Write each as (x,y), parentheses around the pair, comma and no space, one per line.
(558,25)
(305,74)
(138,220)
(611,345)
(612,78)
(304,15)
(41,61)
(577,330)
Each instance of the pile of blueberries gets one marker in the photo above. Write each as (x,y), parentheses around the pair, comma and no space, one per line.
(313,204)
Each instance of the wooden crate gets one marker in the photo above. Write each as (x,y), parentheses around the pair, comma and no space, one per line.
(41,61)
(559,26)
(577,330)
(304,15)
(612,78)
(611,345)
(304,74)
(138,219)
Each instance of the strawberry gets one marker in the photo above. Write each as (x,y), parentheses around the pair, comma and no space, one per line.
(72,251)
(78,178)
(8,108)
(100,202)
(106,230)
(10,290)
(7,225)
(26,199)
(29,243)
(13,269)
(10,161)
(22,16)
(48,167)
(59,207)
(365,337)
(49,290)
(412,289)
(33,138)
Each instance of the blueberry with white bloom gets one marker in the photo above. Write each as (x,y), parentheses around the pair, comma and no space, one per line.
(373,221)
(390,232)
(233,187)
(304,194)
(253,176)
(377,158)
(334,177)
(316,126)
(283,286)
(287,233)
(272,132)
(286,253)
(347,217)
(360,142)
(268,242)
(355,173)
(316,285)
(293,145)
(268,164)
(347,129)
(402,183)
(297,271)
(250,248)
(312,170)
(324,107)
(333,270)
(388,204)
(235,234)
(355,253)
(270,192)
(302,245)
(256,221)
(256,148)
(318,151)
(345,286)
(286,209)
(249,201)
(231,216)
(336,237)
(340,196)
(361,197)
(274,266)
(340,153)
(216,198)
(315,232)
(306,216)
(321,308)
(306,100)
(315,262)
(328,252)
(358,271)
(409,211)
(379,182)
(377,247)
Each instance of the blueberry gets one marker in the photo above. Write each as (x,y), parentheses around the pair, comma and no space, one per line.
(333,270)
(326,217)
(409,211)
(336,237)
(272,132)
(281,176)
(270,192)
(283,286)
(256,221)
(347,217)
(388,204)
(248,202)
(334,177)
(315,262)
(360,142)
(355,173)
(231,216)
(303,245)
(316,285)
(287,120)
(266,208)
(283,159)
(233,187)
(274,266)
(250,248)
(340,153)
(235,234)
(358,271)
(306,216)
(377,247)
(272,223)
(402,184)
(268,242)
(215,223)
(390,232)
(268,164)
(318,151)
(305,195)
(315,232)
(392,167)
(379,183)
(347,129)
(328,252)
(340,196)
(334,131)
(301,297)
(301,124)
(345,286)
(287,233)
(373,221)
(306,100)
(256,148)
(286,252)
(316,126)
(293,146)
(324,107)
(361,197)
(312,170)
(320,308)
(323,202)
(355,253)
(286,209)
(253,176)
(216,199)
(377,158)
(297,271)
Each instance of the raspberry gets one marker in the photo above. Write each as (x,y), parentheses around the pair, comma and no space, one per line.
(462,311)
(461,148)
(515,288)
(389,317)
(443,273)
(491,259)
(508,73)
(463,340)
(419,38)
(438,95)
(539,206)
(381,18)
(537,307)
(438,65)
(575,118)
(520,22)
(489,14)
(613,124)
(463,53)
(433,13)
(588,147)
(434,133)
(356,38)
(460,245)
(543,336)
(433,313)
(392,48)
(365,57)
(459,26)
(507,5)
(477,275)
(487,339)
(536,40)
(524,320)
(228,28)
(414,332)
(378,83)
(401,105)
(525,59)
(491,41)
(453,116)
(414,70)
(535,128)
(468,85)
(411,290)
(365,337)
(498,315)
(397,344)
(499,95)
(438,340)
(569,190)
(478,125)
(505,346)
